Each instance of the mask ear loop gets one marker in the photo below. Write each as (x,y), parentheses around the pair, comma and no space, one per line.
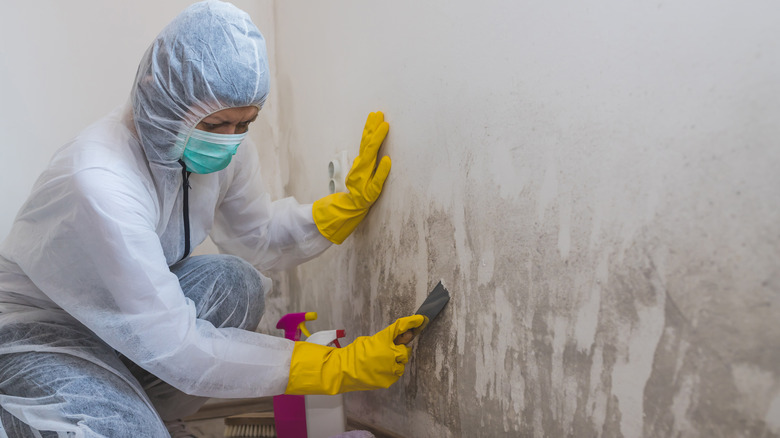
(189,133)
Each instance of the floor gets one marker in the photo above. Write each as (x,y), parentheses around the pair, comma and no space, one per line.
(212,428)
(209,422)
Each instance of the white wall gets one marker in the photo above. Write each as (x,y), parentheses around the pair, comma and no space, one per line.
(65,64)
(596,182)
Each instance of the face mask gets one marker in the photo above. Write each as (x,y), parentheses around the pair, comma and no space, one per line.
(206,152)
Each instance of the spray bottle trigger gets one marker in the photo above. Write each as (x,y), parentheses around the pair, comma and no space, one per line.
(302,328)
(308,316)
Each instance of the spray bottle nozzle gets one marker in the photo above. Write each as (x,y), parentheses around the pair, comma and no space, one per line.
(294,324)
(339,334)
(327,337)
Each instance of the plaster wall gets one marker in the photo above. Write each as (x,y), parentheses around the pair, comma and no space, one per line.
(597,185)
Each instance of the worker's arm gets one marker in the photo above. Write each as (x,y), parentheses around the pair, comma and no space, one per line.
(271,235)
(93,250)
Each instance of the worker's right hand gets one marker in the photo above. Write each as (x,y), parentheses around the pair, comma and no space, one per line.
(367,363)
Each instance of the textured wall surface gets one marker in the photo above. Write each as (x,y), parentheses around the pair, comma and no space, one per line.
(598,185)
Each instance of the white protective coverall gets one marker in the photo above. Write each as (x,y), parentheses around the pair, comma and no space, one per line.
(85,273)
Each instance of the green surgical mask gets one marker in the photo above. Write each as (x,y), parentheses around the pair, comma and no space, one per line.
(206,152)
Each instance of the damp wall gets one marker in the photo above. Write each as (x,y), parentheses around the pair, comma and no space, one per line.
(597,185)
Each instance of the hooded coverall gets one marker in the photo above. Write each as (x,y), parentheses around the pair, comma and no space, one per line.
(100,303)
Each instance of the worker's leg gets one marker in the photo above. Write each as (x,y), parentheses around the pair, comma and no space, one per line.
(58,394)
(227,292)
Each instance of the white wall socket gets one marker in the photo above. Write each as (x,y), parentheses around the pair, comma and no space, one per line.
(338,168)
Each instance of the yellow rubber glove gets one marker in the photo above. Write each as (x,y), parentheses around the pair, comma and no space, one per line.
(368,363)
(337,215)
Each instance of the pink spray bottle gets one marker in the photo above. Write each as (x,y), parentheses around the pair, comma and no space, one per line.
(290,410)
(310,416)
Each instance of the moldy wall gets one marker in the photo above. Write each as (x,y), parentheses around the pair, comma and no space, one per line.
(597,185)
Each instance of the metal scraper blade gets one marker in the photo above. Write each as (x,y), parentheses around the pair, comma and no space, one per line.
(430,308)
(436,301)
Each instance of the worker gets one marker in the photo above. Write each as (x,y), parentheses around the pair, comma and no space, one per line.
(109,327)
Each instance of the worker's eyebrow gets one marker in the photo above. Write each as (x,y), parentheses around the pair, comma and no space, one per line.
(214,119)
(211,120)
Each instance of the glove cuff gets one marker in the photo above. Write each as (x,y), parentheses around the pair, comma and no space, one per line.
(307,370)
(337,216)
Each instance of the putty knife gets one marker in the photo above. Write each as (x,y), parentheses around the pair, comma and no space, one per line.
(430,308)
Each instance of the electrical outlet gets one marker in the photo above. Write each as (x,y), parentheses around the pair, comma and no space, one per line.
(338,168)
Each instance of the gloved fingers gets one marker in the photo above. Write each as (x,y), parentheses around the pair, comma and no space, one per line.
(402,355)
(355,175)
(372,123)
(370,147)
(377,139)
(407,323)
(378,181)
(365,163)
(401,325)
(400,367)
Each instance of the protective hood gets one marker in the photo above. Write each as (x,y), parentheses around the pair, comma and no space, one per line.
(210,57)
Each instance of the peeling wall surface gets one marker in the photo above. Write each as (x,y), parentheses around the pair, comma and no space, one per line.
(596,183)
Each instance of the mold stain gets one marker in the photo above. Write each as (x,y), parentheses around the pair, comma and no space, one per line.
(532,343)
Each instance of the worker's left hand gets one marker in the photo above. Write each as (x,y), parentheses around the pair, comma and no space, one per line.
(337,215)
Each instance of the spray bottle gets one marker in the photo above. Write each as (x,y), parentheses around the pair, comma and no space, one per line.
(325,413)
(310,416)
(290,410)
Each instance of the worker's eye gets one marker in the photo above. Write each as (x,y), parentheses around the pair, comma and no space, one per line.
(242,127)
(210,126)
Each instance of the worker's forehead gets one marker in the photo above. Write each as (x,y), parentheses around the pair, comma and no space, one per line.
(241,113)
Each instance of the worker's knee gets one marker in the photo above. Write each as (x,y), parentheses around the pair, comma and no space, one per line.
(248,291)
(227,290)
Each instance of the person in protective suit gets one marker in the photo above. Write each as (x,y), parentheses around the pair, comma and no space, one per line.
(108,327)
